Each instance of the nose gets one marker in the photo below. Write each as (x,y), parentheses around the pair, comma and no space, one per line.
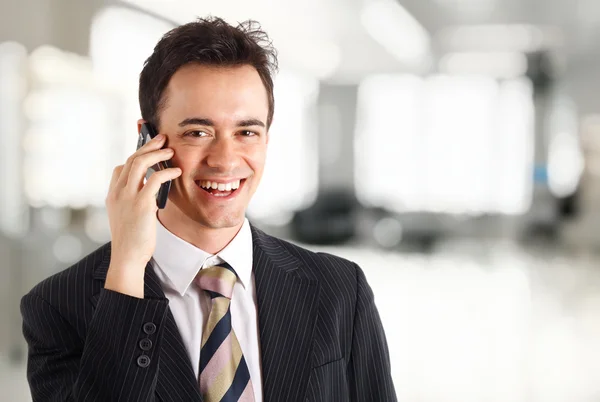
(222,155)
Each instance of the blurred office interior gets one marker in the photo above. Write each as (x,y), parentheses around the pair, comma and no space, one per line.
(450,147)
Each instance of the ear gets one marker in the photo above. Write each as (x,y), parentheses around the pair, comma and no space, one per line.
(139,124)
(268,136)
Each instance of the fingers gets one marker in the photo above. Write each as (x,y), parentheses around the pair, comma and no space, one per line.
(154,145)
(113,184)
(153,184)
(140,165)
(115,176)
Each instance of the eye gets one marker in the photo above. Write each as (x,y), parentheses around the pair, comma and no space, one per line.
(196,133)
(248,133)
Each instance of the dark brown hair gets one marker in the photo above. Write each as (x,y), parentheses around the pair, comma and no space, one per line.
(208,41)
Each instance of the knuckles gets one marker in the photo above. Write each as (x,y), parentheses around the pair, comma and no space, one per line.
(137,162)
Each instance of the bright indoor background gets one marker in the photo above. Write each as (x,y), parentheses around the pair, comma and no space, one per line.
(450,147)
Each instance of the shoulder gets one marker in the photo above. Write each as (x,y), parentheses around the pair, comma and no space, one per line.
(329,269)
(76,280)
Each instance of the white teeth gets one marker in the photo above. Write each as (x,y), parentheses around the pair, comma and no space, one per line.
(207,184)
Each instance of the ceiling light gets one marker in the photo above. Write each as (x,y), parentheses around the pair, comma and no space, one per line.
(396,30)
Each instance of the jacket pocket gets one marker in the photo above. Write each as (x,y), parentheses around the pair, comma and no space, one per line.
(328,383)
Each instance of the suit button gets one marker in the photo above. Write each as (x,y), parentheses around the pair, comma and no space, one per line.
(143,361)
(149,328)
(145,344)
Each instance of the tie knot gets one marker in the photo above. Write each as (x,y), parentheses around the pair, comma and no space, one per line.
(217,280)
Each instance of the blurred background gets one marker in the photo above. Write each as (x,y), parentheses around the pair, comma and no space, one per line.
(450,147)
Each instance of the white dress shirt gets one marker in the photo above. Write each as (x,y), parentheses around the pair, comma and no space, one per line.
(177,262)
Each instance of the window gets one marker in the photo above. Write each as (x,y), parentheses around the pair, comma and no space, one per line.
(447,144)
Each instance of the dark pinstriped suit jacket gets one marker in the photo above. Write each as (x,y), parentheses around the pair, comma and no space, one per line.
(320,334)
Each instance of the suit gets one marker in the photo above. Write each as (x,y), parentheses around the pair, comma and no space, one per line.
(321,338)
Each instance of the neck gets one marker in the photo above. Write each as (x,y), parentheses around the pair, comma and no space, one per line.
(210,240)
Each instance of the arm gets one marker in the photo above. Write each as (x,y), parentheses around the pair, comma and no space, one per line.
(369,373)
(103,366)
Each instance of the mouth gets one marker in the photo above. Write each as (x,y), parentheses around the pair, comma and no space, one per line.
(220,189)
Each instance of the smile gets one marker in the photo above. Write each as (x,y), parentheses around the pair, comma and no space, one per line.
(220,189)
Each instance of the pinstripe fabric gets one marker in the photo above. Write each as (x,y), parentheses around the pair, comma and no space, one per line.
(320,333)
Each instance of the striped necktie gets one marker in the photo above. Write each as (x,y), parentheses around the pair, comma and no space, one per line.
(224,375)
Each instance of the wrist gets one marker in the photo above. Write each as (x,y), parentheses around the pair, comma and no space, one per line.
(126,278)
(125,257)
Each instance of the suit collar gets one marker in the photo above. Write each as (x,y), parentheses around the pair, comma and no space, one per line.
(235,253)
(261,243)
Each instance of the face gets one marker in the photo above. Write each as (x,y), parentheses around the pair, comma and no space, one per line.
(215,120)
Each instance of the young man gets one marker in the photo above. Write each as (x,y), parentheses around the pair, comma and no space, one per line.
(191,302)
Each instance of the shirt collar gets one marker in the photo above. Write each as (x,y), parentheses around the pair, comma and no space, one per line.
(238,254)
(180,261)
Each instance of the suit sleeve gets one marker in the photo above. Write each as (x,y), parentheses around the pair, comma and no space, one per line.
(369,372)
(106,365)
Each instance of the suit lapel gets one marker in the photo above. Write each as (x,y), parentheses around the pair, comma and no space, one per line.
(175,373)
(287,310)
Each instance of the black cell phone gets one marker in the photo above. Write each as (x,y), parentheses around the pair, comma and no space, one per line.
(147,133)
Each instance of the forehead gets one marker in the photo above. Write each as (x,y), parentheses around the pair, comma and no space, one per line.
(223,94)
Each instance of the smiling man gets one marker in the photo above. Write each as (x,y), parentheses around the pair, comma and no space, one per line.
(191,302)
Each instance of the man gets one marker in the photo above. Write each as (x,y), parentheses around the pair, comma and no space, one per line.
(190,302)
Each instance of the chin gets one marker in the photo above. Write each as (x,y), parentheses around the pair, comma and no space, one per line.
(220,221)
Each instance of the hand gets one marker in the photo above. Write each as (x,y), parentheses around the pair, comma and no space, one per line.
(131,207)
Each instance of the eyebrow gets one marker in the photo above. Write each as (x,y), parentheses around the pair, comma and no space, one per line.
(208,122)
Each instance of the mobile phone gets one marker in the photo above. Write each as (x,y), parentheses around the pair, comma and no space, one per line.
(147,133)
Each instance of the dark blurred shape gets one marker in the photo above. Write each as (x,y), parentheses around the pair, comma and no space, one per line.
(568,207)
(540,71)
(330,220)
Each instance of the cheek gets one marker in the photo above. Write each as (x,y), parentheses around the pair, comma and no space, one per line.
(186,159)
(256,159)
